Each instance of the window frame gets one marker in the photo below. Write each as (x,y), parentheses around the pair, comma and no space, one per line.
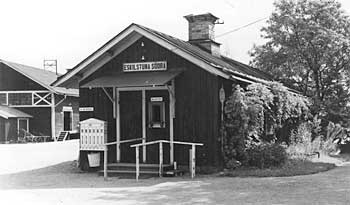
(21,118)
(70,110)
(151,123)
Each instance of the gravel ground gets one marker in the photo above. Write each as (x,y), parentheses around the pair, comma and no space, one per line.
(64,183)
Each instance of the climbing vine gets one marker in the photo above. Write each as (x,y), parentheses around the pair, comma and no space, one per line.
(253,115)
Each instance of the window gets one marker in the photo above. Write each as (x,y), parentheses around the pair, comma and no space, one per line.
(20,99)
(3,99)
(156,114)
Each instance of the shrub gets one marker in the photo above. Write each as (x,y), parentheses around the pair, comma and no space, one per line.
(266,155)
(334,131)
(301,143)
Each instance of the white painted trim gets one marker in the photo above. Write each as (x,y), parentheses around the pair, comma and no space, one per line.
(34,93)
(71,116)
(144,133)
(171,120)
(40,98)
(118,126)
(106,57)
(108,95)
(114,99)
(6,97)
(95,55)
(134,28)
(26,91)
(163,87)
(53,117)
(61,101)
(29,105)
(21,118)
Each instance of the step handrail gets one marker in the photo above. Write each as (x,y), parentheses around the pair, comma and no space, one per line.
(105,152)
(123,141)
(166,141)
(192,155)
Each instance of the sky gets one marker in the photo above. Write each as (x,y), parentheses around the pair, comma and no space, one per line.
(70,30)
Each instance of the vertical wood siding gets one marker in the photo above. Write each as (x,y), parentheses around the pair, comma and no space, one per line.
(103,110)
(197,103)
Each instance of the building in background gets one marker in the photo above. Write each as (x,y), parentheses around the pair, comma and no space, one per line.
(28,103)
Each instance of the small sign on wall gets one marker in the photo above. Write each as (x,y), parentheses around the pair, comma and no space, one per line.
(86,109)
(156,99)
(67,109)
(145,66)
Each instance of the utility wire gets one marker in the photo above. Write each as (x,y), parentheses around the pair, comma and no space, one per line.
(239,28)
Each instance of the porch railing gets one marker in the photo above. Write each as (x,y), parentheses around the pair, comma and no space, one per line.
(105,153)
(192,155)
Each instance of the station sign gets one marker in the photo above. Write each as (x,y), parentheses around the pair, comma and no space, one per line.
(145,66)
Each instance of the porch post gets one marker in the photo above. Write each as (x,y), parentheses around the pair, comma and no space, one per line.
(143,125)
(160,159)
(117,125)
(114,109)
(53,117)
(137,163)
(105,161)
(172,115)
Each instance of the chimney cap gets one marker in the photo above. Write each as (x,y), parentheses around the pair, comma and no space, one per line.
(201,17)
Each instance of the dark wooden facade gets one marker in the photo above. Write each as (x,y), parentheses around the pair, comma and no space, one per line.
(12,129)
(14,82)
(11,80)
(197,107)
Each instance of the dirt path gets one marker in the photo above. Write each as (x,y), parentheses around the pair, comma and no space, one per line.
(64,184)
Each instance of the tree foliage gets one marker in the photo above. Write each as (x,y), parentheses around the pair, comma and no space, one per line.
(254,113)
(308,47)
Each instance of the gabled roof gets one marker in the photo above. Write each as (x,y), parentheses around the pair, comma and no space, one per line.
(219,62)
(41,76)
(9,112)
(221,66)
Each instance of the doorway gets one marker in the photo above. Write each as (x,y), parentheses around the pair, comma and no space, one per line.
(157,116)
(23,124)
(144,114)
(67,118)
(130,103)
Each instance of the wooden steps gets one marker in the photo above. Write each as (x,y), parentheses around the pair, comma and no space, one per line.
(128,170)
(62,136)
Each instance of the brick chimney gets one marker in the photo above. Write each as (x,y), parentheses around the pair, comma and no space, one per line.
(201,32)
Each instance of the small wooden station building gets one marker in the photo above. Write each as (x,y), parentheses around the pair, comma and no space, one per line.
(150,86)
(29,103)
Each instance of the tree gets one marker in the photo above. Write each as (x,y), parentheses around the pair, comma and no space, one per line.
(308,48)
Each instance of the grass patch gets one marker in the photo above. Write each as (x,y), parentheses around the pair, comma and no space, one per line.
(292,167)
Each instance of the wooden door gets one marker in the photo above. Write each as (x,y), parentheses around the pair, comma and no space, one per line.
(157,124)
(130,122)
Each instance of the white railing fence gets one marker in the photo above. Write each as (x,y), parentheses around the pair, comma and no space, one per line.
(105,153)
(192,155)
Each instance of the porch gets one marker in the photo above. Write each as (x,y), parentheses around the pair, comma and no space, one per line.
(144,112)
